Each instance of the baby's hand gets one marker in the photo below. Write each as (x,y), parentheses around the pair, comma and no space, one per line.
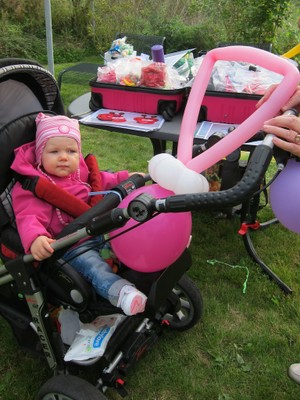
(41,249)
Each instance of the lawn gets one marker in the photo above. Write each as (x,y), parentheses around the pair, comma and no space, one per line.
(247,338)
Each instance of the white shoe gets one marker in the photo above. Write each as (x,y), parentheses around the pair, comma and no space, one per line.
(131,300)
(294,372)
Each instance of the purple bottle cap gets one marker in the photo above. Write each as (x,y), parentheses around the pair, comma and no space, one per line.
(157,52)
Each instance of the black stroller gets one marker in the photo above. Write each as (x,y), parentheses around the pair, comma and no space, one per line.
(30,293)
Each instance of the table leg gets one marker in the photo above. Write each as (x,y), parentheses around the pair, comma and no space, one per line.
(159,146)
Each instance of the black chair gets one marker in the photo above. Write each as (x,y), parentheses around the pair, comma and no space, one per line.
(143,43)
(79,74)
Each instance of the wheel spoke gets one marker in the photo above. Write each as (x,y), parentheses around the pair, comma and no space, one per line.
(169,317)
(181,316)
(177,291)
(185,304)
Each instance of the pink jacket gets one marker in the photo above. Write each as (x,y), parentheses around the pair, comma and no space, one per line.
(35,217)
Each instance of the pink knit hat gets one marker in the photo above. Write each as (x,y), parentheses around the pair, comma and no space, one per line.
(48,127)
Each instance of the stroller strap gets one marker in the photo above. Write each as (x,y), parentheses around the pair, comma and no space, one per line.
(48,191)
(94,178)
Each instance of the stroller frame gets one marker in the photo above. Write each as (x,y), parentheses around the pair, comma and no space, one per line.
(29,293)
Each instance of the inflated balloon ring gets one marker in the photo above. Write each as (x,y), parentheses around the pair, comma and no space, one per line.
(252,124)
(167,172)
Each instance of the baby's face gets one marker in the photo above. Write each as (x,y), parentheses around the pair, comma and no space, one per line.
(60,156)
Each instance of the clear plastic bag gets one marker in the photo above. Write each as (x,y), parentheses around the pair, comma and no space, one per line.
(135,71)
(91,340)
(128,71)
(69,325)
(238,77)
(106,74)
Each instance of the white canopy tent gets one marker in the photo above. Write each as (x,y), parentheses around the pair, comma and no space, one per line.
(49,37)
(48,20)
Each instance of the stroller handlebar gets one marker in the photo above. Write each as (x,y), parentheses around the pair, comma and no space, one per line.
(142,207)
(251,179)
(256,168)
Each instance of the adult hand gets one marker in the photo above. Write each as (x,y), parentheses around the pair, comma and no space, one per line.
(286,129)
(294,101)
(41,249)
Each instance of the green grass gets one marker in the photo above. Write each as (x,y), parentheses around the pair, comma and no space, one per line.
(242,348)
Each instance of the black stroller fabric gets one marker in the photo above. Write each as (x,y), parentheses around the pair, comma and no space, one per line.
(29,82)
(30,77)
(26,88)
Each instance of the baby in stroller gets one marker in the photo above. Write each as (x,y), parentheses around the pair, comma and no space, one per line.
(56,155)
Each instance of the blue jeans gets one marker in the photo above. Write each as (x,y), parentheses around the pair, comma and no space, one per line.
(85,258)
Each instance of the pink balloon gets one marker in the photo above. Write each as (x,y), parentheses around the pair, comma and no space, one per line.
(157,243)
(253,123)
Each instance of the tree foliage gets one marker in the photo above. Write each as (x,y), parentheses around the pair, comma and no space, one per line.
(81,26)
(245,20)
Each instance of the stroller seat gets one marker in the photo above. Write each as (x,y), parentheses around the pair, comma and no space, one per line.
(10,241)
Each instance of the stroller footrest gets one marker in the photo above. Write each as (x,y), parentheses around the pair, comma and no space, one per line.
(137,344)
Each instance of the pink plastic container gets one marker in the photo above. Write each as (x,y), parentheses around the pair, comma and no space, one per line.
(136,99)
(229,108)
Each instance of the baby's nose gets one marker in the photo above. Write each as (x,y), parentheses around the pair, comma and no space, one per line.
(63,155)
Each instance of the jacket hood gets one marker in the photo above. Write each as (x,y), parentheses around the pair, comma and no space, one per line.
(25,163)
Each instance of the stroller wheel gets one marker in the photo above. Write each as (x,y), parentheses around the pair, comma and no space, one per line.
(186,305)
(68,387)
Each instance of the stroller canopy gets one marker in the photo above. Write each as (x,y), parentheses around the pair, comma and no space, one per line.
(25,87)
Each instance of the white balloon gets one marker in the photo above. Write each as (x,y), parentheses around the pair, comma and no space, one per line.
(167,172)
(170,173)
(163,165)
(190,181)
(155,161)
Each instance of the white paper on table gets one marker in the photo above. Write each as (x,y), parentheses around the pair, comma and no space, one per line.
(205,129)
(124,119)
